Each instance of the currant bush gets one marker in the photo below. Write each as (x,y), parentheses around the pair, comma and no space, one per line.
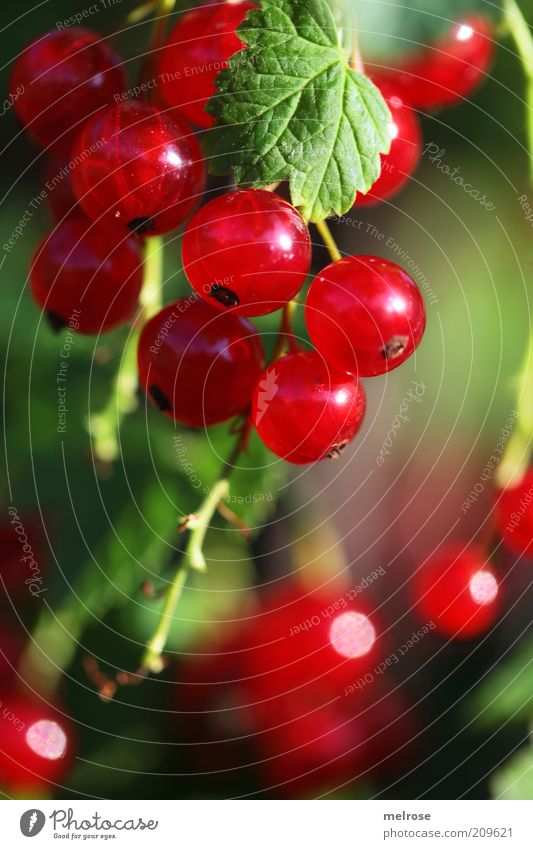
(65,77)
(365,315)
(198,366)
(139,169)
(86,277)
(248,251)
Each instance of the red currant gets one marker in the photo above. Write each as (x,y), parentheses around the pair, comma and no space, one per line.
(198,48)
(279,679)
(448,71)
(365,315)
(458,590)
(138,168)
(58,187)
(85,277)
(198,366)
(60,80)
(11,646)
(404,155)
(247,250)
(36,745)
(304,411)
(514,516)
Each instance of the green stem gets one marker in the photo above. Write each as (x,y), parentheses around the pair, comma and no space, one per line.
(329,241)
(193,558)
(515,459)
(519,30)
(104,427)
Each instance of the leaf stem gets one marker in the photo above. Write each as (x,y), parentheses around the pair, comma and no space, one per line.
(515,459)
(104,427)
(193,558)
(329,241)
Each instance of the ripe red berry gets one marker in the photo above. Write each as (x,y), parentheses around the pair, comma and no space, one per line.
(36,745)
(458,590)
(60,80)
(198,48)
(58,187)
(513,514)
(12,639)
(247,250)
(278,682)
(138,168)
(86,277)
(365,315)
(404,155)
(447,71)
(304,411)
(198,366)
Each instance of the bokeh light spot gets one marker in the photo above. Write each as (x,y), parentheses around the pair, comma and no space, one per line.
(483,587)
(47,739)
(352,634)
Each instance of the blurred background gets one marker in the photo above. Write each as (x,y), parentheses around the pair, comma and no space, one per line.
(447,719)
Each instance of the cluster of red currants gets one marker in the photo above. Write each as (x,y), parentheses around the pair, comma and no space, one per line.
(135,169)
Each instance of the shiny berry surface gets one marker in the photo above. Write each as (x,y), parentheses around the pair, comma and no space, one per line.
(58,187)
(449,70)
(145,171)
(305,411)
(248,251)
(458,590)
(198,366)
(365,315)
(197,49)
(513,515)
(404,155)
(65,77)
(86,277)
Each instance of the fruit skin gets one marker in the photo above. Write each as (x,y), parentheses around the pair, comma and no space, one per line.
(248,251)
(58,187)
(144,171)
(365,315)
(448,71)
(198,366)
(21,767)
(513,516)
(65,75)
(305,411)
(443,593)
(85,277)
(201,42)
(404,155)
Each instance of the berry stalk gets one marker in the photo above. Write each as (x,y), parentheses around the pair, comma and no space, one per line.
(329,241)
(104,427)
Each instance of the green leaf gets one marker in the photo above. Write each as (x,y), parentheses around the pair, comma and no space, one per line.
(506,693)
(290,107)
(515,779)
